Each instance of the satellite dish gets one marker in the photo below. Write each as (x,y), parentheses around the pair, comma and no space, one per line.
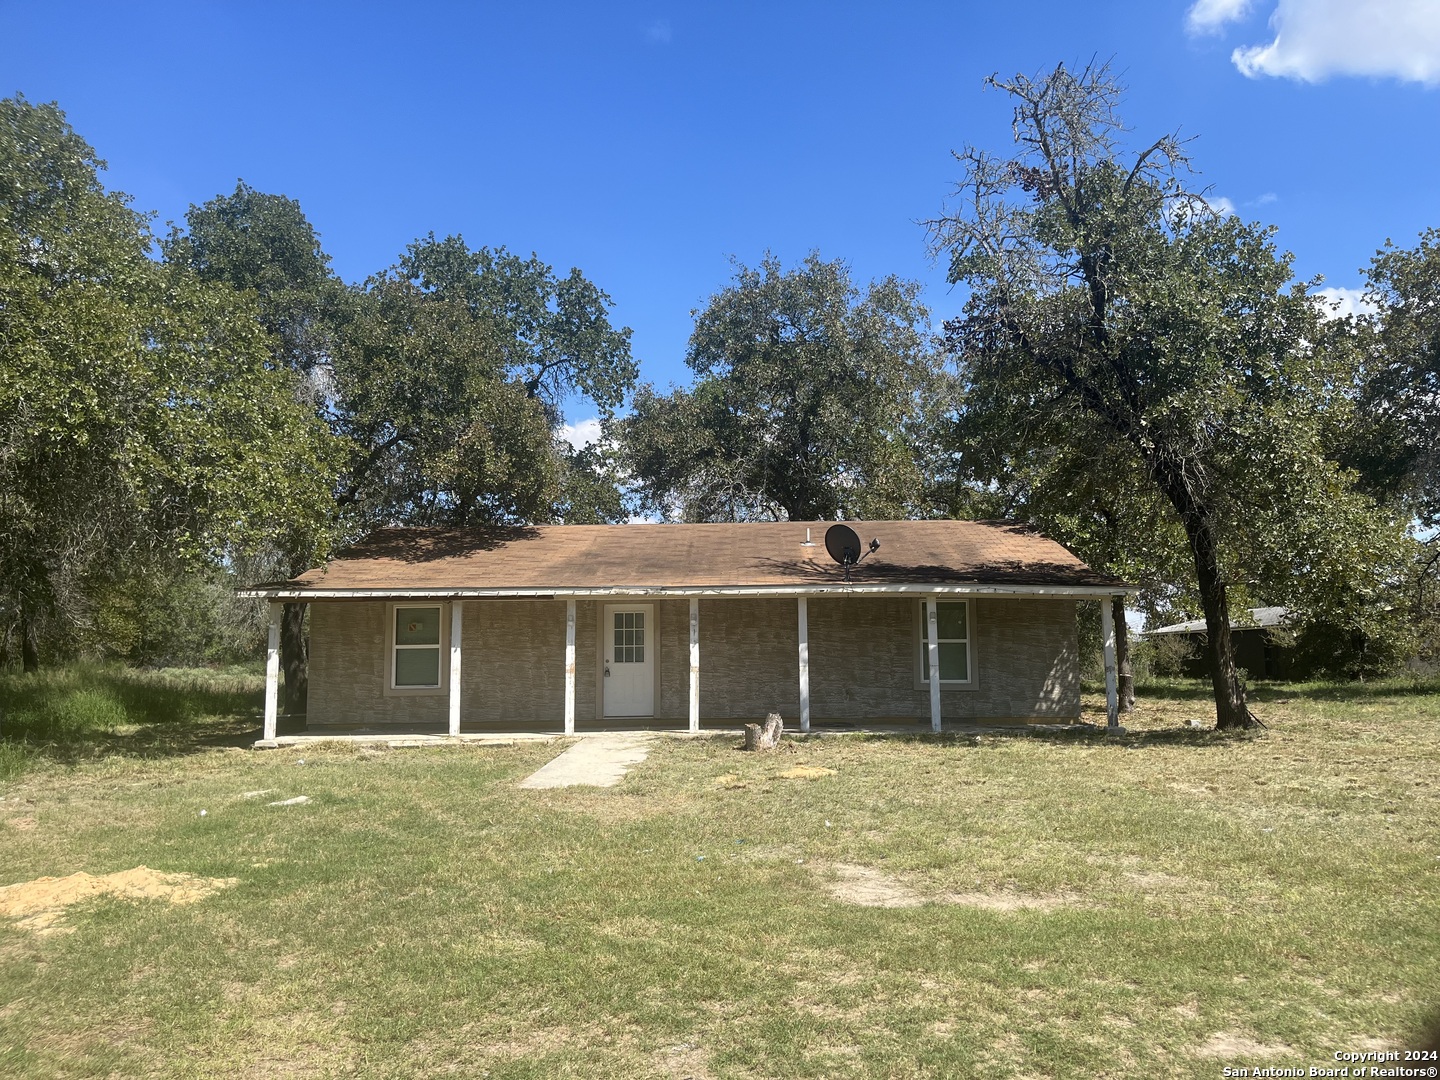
(843,545)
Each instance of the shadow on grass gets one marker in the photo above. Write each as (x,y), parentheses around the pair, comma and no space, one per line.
(1079,735)
(1354,691)
(86,712)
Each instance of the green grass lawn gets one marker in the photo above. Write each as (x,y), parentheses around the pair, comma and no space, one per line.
(1160,905)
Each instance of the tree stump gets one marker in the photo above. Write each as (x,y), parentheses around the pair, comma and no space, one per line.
(766,736)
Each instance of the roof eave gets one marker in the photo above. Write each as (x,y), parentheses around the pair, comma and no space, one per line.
(288,593)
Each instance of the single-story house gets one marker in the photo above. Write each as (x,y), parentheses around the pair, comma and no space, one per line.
(481,629)
(1258,637)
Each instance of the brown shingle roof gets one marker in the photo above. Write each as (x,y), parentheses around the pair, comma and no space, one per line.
(758,555)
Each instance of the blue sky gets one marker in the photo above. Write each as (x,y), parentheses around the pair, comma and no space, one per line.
(649,143)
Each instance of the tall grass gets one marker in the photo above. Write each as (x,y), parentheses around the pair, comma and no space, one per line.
(87,710)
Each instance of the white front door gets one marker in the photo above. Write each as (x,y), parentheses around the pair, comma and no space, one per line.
(629,643)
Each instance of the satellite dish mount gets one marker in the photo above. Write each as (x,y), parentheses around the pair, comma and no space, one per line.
(843,544)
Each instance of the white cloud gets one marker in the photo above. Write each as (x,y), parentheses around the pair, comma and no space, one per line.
(582,434)
(1185,210)
(1210,16)
(659,32)
(1343,302)
(1315,39)
(1264,200)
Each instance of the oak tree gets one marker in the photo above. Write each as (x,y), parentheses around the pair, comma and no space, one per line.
(1114,316)
(809,402)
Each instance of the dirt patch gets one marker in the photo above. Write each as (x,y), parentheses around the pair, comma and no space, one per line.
(1229,1044)
(40,905)
(730,781)
(806,772)
(1156,881)
(1005,901)
(23,824)
(870,888)
(1369,1042)
(684,1062)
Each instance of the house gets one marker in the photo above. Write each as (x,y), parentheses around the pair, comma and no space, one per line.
(1258,637)
(569,626)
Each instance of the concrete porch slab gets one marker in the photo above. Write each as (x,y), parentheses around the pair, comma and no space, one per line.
(401,739)
(717,729)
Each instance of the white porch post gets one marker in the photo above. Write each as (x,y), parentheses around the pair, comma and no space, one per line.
(570,667)
(694,664)
(803,604)
(1107,634)
(932,629)
(272,672)
(457,608)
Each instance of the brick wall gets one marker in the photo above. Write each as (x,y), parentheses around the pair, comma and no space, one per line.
(864,662)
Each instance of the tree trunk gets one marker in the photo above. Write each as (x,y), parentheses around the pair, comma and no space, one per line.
(1126,679)
(29,645)
(294,658)
(1230,708)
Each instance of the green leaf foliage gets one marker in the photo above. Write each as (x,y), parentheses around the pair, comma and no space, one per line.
(439,434)
(810,401)
(1141,371)
(554,333)
(139,410)
(1397,449)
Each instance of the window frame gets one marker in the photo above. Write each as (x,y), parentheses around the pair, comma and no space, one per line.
(922,646)
(392,648)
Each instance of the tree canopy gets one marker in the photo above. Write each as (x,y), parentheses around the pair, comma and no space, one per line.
(1116,320)
(138,412)
(444,379)
(1399,452)
(808,403)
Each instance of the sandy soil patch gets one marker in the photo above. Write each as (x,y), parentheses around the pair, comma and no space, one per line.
(40,905)
(806,772)
(1229,1044)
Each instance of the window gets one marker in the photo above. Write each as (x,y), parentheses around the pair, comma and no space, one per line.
(415,656)
(953,617)
(629,637)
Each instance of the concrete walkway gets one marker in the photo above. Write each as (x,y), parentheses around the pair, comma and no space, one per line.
(598,761)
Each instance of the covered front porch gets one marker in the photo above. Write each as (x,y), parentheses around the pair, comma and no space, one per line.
(555,666)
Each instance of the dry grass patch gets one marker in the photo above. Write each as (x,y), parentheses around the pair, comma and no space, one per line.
(1006,901)
(868,887)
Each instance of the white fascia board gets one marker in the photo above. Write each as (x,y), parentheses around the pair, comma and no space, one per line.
(1058,591)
